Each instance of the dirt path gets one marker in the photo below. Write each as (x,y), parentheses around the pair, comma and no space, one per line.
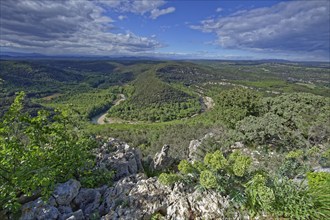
(102,118)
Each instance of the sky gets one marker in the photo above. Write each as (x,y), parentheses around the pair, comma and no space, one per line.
(187,29)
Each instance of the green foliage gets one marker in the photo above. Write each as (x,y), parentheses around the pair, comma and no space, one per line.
(215,161)
(294,164)
(36,152)
(292,201)
(239,163)
(295,154)
(320,195)
(168,178)
(316,179)
(153,100)
(157,216)
(325,158)
(259,196)
(92,178)
(236,104)
(208,180)
(185,167)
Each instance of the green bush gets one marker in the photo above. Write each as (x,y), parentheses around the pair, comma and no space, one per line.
(168,178)
(208,180)
(316,179)
(259,196)
(215,161)
(37,152)
(320,195)
(185,167)
(291,201)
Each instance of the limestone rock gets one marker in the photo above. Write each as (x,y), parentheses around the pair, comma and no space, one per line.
(37,209)
(197,205)
(120,157)
(162,160)
(194,145)
(237,145)
(134,197)
(88,200)
(78,215)
(64,193)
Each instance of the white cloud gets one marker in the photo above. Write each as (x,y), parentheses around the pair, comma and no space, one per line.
(65,27)
(122,17)
(155,13)
(295,26)
(219,9)
(142,7)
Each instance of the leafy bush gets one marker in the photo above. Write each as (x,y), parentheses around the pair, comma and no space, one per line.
(236,104)
(208,180)
(239,163)
(291,200)
(185,167)
(215,161)
(259,196)
(316,179)
(36,152)
(319,192)
(168,178)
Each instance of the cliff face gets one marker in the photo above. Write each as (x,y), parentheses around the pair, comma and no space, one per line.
(132,196)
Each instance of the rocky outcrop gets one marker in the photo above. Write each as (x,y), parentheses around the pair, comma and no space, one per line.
(162,160)
(194,146)
(120,157)
(138,197)
(40,210)
(64,193)
(88,200)
(133,196)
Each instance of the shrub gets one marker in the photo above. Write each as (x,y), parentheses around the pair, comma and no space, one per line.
(185,167)
(208,180)
(215,161)
(239,163)
(291,201)
(318,178)
(259,196)
(168,178)
(36,152)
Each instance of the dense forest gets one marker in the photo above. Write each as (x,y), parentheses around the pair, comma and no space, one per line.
(267,126)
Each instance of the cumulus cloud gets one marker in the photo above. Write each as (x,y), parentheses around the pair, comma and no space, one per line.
(295,26)
(65,27)
(155,13)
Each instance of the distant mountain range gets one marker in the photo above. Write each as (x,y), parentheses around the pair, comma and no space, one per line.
(37,56)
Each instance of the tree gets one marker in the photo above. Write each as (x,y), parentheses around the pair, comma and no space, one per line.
(37,152)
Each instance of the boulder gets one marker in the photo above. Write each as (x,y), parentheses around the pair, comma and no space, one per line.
(64,193)
(194,145)
(88,200)
(37,209)
(134,197)
(162,160)
(77,215)
(197,205)
(120,157)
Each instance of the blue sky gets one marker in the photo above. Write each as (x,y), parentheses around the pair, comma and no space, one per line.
(200,29)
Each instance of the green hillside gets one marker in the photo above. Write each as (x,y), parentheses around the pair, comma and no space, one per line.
(154,100)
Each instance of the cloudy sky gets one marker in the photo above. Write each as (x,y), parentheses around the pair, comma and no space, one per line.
(213,29)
